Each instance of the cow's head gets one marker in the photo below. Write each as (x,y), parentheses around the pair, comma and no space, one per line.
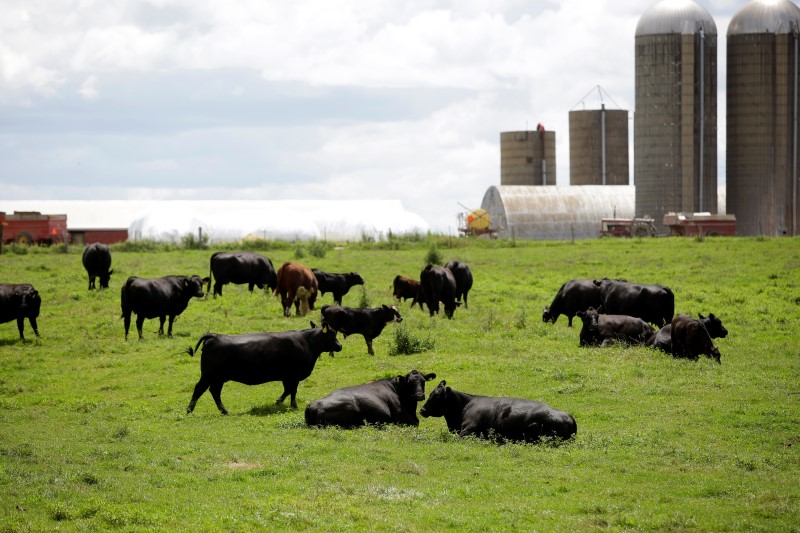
(391,314)
(437,401)
(412,385)
(329,342)
(714,326)
(547,316)
(30,302)
(105,278)
(193,286)
(354,278)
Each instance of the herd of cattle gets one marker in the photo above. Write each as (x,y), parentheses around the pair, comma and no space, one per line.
(610,311)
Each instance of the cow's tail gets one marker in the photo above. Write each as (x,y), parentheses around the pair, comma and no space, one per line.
(210,276)
(124,300)
(202,340)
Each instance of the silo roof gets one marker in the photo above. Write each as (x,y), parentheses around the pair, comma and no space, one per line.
(765,16)
(675,16)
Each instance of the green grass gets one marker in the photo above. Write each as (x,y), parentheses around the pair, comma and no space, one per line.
(94,435)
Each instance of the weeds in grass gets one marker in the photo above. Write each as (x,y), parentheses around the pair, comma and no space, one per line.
(364,301)
(317,248)
(433,257)
(406,343)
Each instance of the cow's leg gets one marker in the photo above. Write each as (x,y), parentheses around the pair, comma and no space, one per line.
(216,391)
(569,318)
(21,327)
(127,317)
(217,288)
(139,324)
(169,329)
(161,320)
(465,301)
(91,282)
(250,286)
(289,388)
(199,389)
(369,346)
(286,301)
(32,320)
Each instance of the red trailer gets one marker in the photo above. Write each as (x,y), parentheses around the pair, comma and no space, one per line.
(29,227)
(693,224)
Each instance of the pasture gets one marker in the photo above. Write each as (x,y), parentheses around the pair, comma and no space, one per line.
(94,435)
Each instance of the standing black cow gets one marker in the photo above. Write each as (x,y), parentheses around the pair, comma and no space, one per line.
(256,358)
(19,301)
(662,340)
(514,419)
(573,296)
(651,303)
(463,276)
(602,330)
(97,262)
(386,401)
(241,267)
(158,298)
(366,322)
(338,284)
(439,285)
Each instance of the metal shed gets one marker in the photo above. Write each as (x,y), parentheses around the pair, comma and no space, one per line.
(555,213)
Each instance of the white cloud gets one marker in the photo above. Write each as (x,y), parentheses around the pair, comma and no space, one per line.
(88,89)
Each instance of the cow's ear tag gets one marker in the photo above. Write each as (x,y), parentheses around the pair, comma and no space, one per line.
(325,328)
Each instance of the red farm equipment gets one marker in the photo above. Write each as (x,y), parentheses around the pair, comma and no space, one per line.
(702,224)
(32,227)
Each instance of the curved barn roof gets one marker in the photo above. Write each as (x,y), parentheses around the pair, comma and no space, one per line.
(766,16)
(675,16)
(556,213)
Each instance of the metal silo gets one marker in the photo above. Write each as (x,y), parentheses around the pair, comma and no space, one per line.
(675,123)
(598,147)
(528,157)
(762,111)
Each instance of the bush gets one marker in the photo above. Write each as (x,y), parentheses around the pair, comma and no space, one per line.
(317,248)
(191,241)
(433,257)
(405,343)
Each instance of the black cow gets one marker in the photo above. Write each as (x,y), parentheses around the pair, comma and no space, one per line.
(366,322)
(573,296)
(690,339)
(602,330)
(662,340)
(19,301)
(158,298)
(404,288)
(463,276)
(241,267)
(386,401)
(651,303)
(97,262)
(439,285)
(513,419)
(256,358)
(338,284)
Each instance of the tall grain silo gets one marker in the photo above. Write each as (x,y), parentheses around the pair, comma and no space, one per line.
(762,115)
(528,157)
(675,122)
(598,147)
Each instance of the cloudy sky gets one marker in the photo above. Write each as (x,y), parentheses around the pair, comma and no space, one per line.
(325,99)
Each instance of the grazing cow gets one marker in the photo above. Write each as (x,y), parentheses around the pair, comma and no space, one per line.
(97,262)
(158,298)
(256,358)
(366,322)
(512,419)
(602,330)
(690,339)
(292,276)
(405,288)
(386,401)
(338,284)
(439,285)
(651,303)
(463,276)
(573,296)
(241,267)
(662,340)
(19,301)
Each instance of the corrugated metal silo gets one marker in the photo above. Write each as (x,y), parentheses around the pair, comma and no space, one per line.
(598,147)
(762,111)
(528,157)
(675,123)
(555,213)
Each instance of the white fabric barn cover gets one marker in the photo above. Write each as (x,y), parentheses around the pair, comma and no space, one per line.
(230,220)
(556,213)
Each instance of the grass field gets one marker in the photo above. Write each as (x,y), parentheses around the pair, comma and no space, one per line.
(94,435)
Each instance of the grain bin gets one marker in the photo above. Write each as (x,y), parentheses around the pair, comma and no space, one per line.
(598,147)
(762,114)
(675,122)
(528,157)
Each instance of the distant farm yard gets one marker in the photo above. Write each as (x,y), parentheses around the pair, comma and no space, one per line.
(94,432)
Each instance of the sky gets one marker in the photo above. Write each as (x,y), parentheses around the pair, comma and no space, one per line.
(317,99)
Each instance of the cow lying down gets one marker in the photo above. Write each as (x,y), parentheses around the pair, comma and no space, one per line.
(386,401)
(512,419)
(662,340)
(602,330)
(366,322)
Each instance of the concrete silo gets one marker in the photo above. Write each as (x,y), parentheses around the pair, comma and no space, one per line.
(598,147)
(762,114)
(675,122)
(528,157)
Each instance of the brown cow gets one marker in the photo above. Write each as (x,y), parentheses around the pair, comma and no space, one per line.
(291,277)
(405,288)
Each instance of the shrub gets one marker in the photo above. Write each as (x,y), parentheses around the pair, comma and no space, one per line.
(317,248)
(433,257)
(191,241)
(405,343)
